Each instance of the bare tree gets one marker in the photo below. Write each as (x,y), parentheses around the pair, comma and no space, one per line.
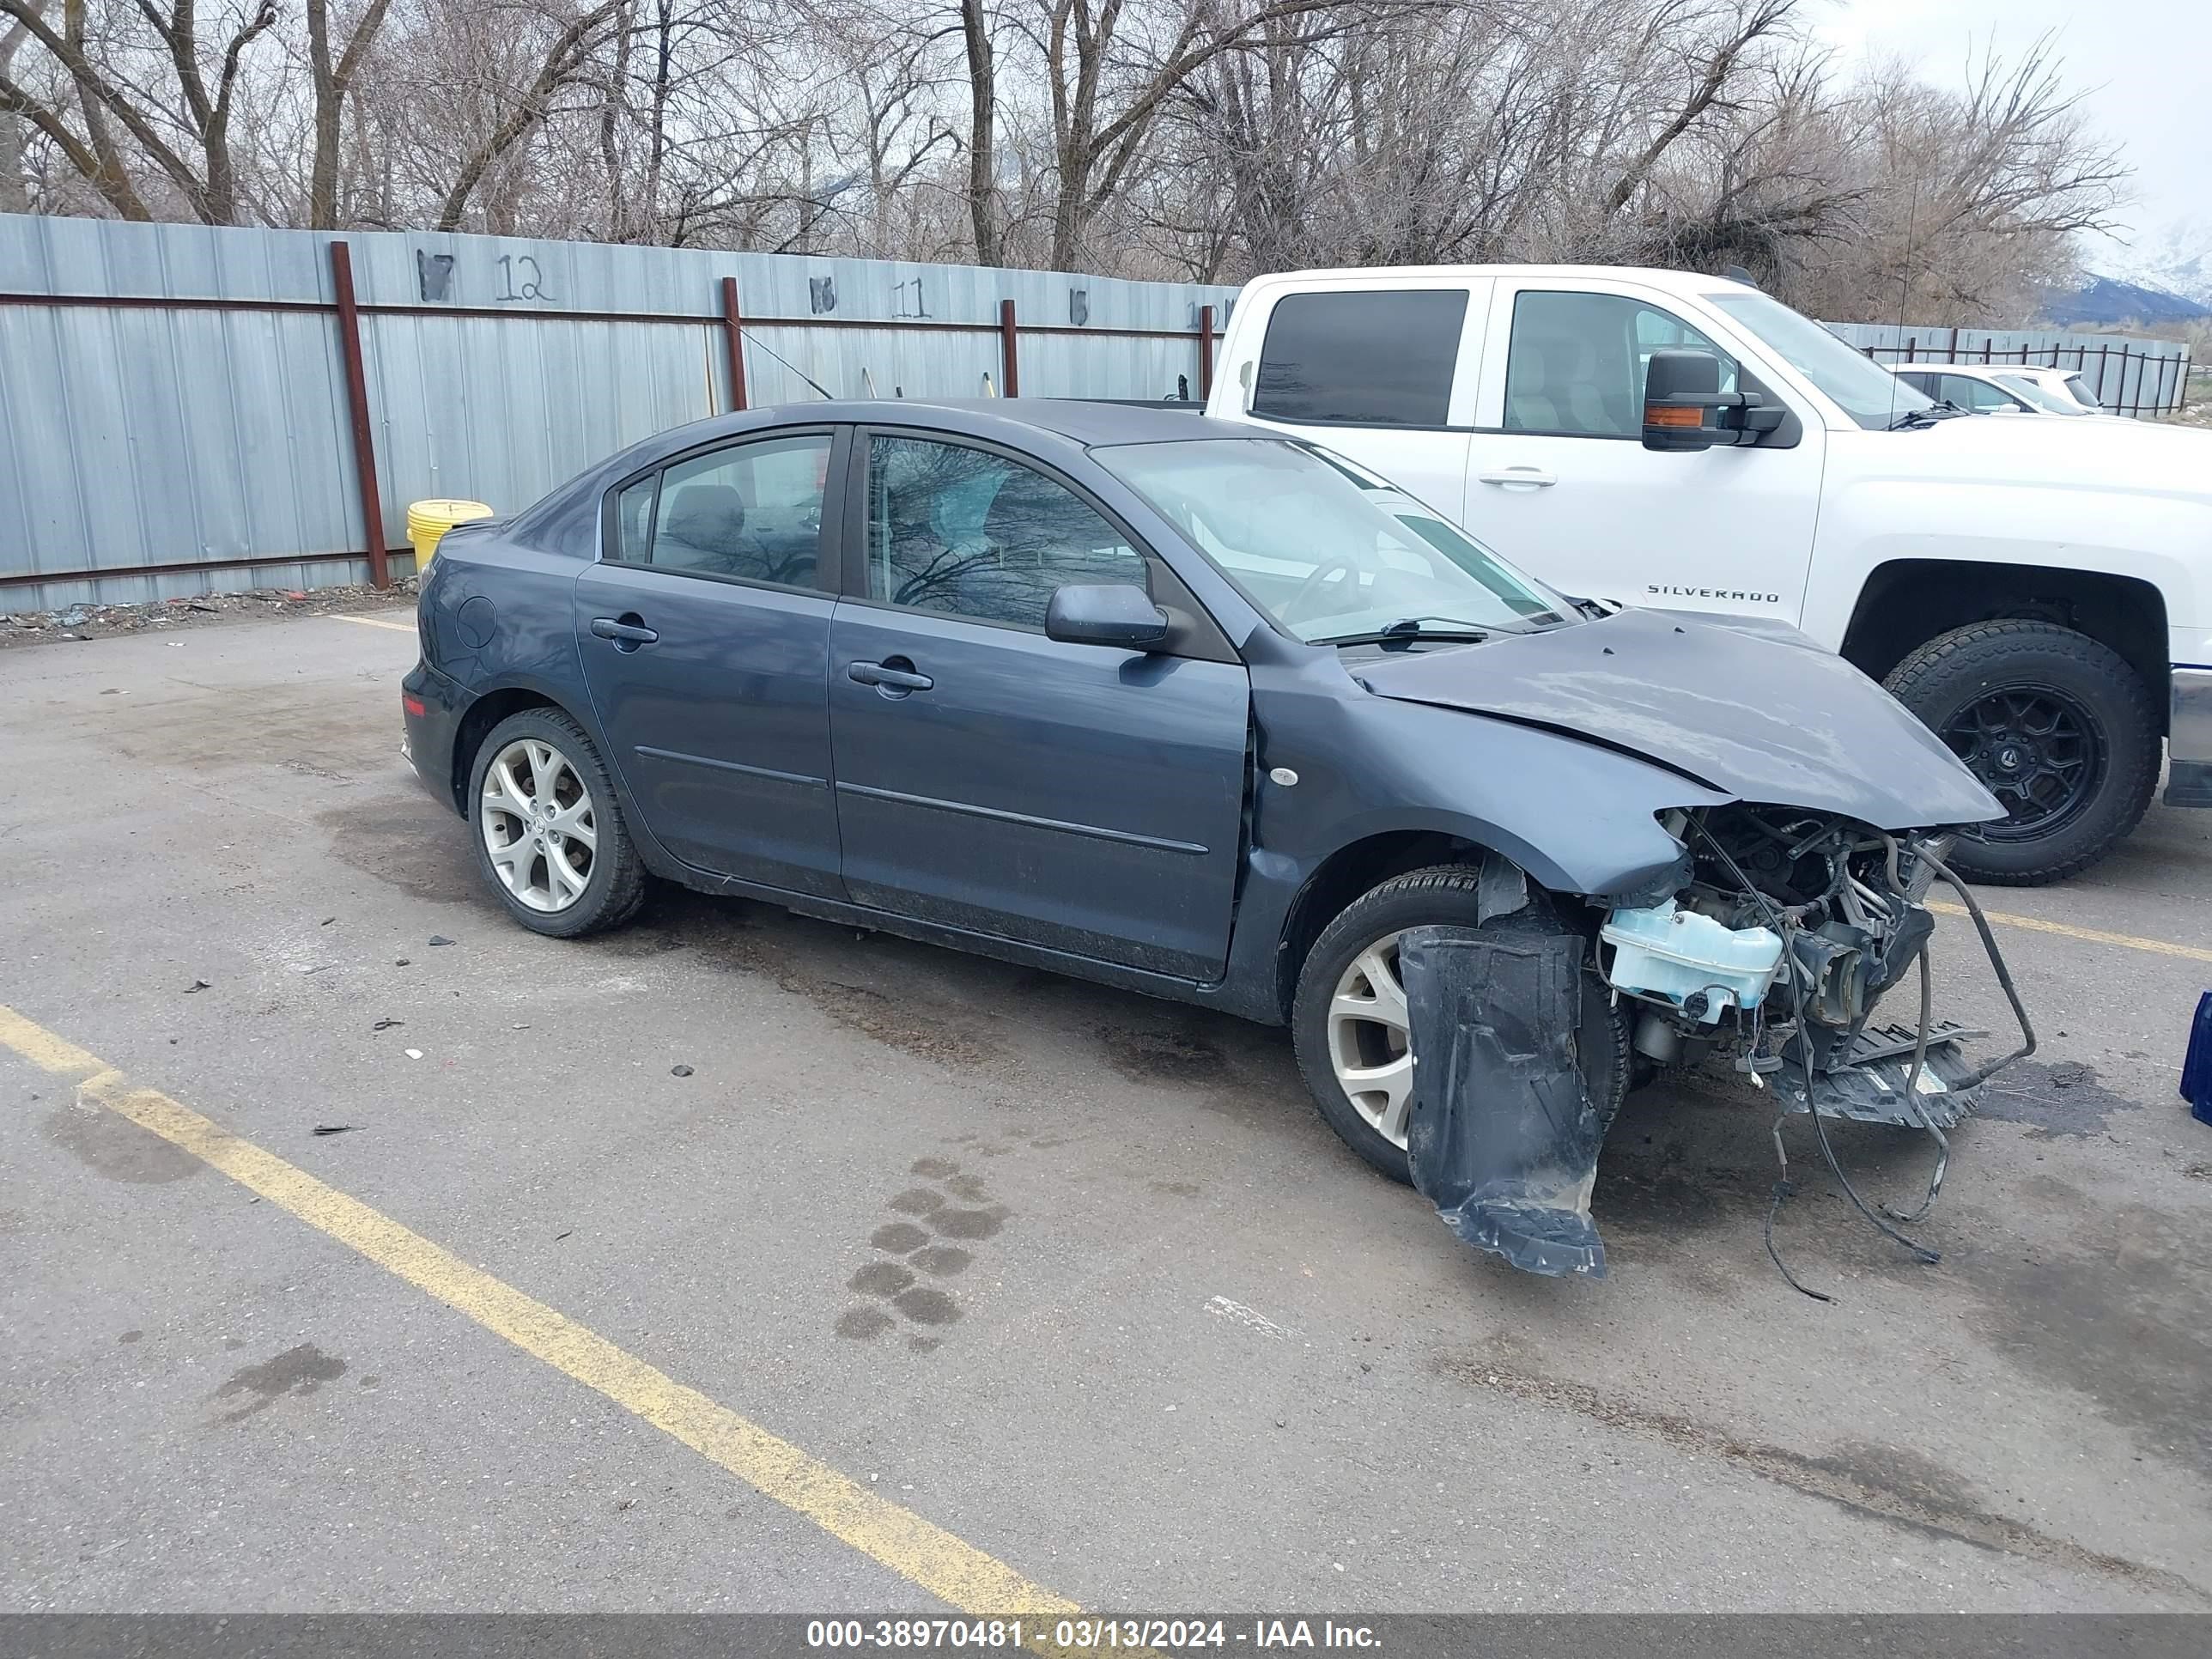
(563,64)
(333,79)
(167,119)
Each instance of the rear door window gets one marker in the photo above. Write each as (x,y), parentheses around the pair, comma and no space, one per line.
(750,512)
(1383,357)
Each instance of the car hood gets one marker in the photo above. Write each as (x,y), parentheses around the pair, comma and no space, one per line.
(1757,718)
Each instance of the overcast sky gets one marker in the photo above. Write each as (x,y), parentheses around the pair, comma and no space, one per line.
(2147,66)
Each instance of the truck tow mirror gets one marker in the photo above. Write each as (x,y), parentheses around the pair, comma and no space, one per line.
(1682,400)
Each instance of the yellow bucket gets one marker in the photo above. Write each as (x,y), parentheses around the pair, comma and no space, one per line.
(428,521)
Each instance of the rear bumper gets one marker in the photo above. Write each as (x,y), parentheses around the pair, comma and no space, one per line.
(431,707)
(2189,738)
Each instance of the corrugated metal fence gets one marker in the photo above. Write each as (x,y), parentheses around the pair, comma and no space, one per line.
(2129,376)
(184,407)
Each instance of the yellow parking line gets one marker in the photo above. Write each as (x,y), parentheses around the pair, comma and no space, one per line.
(2091,935)
(374,622)
(948,1568)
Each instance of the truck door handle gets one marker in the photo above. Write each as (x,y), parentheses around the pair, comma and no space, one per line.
(895,676)
(1535,477)
(625,631)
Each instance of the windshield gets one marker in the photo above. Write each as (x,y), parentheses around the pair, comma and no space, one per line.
(1862,388)
(1315,550)
(2040,395)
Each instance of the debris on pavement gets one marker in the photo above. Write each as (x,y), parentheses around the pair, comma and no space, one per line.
(82,622)
(679,1071)
(414,1054)
(197,984)
(386,1024)
(336,1128)
(439,938)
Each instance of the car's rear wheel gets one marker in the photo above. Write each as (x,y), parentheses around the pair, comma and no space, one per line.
(549,833)
(2058,728)
(1349,1023)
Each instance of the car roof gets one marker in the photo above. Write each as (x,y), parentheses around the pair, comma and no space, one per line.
(1087,424)
(1972,371)
(1671,282)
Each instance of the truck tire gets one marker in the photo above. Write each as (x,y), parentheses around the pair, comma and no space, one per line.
(2062,731)
(1446,895)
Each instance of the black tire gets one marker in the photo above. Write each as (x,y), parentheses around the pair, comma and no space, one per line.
(616,884)
(2107,717)
(1444,896)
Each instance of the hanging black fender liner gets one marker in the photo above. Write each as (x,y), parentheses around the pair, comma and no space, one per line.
(1504,1133)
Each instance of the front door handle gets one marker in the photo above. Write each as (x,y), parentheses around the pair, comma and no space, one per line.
(623,633)
(895,675)
(1535,477)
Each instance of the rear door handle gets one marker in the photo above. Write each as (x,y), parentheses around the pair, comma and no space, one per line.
(623,633)
(882,674)
(1534,476)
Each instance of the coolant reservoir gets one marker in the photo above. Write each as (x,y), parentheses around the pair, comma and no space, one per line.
(1670,953)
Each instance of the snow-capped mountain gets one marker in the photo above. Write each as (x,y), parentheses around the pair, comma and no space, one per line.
(2172,257)
(2158,277)
(2175,258)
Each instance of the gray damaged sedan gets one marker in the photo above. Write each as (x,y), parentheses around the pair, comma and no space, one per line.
(1186,707)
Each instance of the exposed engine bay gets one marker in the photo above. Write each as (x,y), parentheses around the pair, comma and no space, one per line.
(1774,959)
(1769,963)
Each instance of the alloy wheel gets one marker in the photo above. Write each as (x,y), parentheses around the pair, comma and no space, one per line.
(2037,749)
(538,824)
(1370,1039)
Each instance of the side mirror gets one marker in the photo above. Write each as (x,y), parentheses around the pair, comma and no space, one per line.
(1106,613)
(1680,388)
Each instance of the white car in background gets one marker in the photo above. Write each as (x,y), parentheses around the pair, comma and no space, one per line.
(2004,389)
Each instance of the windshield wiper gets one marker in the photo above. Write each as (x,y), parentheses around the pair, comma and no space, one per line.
(1927,416)
(1411,631)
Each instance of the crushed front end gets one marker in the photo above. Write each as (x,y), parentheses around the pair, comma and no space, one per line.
(1769,962)
(1773,961)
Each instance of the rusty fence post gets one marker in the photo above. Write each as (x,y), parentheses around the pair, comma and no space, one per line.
(1009,350)
(733,337)
(364,436)
(1205,353)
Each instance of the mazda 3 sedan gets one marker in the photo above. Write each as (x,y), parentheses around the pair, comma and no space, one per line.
(1179,705)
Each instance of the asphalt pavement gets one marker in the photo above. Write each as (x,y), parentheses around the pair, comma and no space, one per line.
(930,1268)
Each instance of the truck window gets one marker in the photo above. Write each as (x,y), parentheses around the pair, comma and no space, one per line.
(1382,358)
(1575,365)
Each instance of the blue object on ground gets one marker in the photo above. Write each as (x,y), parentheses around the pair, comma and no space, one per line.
(2196,1069)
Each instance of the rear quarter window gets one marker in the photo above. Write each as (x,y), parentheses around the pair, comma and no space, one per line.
(1374,358)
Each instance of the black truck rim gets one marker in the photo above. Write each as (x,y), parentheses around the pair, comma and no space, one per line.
(2039,750)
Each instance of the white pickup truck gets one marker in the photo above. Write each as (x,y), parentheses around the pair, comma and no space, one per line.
(2037,592)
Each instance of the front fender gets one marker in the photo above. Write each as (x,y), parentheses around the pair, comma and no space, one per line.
(1578,817)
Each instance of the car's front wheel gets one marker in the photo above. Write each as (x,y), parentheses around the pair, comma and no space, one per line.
(549,833)
(1349,1023)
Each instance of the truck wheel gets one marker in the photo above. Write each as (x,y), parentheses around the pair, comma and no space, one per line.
(2058,726)
(1348,1021)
